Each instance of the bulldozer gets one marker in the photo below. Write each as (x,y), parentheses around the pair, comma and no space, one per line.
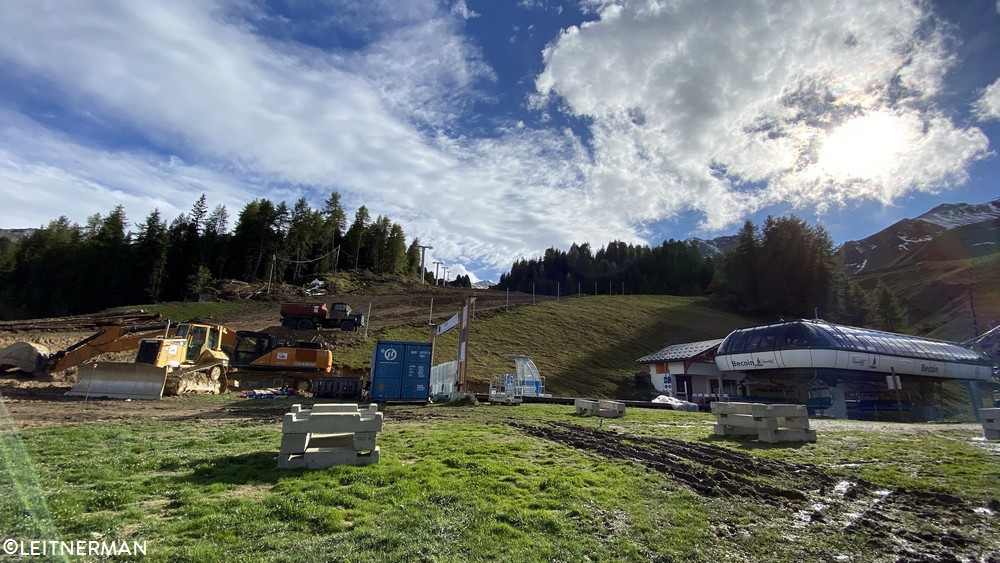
(186,358)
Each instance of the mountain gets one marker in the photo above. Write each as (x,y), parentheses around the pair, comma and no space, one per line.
(15,234)
(941,266)
(483,284)
(947,232)
(718,245)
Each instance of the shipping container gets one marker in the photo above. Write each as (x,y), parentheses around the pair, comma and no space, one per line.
(401,371)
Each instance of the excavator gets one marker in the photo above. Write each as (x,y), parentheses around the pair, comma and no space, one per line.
(171,360)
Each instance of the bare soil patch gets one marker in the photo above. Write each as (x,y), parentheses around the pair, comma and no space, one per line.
(911,525)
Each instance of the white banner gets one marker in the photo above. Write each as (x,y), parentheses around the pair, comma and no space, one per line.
(447,325)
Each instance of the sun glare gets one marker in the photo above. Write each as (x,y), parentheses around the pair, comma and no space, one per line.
(863,147)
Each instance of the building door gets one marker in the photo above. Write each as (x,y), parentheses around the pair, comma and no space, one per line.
(683,387)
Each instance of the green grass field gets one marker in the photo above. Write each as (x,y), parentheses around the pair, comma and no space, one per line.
(583,346)
(487,483)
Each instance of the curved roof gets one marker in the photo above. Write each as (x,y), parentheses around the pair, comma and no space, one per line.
(800,334)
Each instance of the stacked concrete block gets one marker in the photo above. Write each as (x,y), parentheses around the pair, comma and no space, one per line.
(325,435)
(586,406)
(991,423)
(610,409)
(606,409)
(770,423)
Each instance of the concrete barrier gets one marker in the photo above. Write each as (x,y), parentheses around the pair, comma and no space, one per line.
(602,408)
(991,423)
(332,434)
(770,423)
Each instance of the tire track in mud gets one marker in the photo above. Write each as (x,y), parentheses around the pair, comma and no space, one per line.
(910,525)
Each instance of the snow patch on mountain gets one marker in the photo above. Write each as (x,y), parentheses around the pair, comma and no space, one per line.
(950,216)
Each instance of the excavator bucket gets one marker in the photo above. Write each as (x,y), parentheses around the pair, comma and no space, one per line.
(26,357)
(118,380)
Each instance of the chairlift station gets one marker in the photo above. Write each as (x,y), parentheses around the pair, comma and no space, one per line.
(836,370)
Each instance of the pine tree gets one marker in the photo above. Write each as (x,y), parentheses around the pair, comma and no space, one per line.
(887,313)
(199,212)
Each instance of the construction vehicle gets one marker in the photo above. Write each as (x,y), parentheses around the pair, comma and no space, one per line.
(185,358)
(308,316)
(260,354)
(29,358)
(189,358)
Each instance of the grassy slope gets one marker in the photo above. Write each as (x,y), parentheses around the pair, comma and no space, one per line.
(583,346)
(936,295)
(454,484)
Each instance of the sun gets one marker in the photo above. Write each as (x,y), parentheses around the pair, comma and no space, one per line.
(864,147)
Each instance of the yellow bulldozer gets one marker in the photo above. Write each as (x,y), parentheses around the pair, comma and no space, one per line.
(171,360)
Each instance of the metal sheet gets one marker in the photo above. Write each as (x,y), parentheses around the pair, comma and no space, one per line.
(118,380)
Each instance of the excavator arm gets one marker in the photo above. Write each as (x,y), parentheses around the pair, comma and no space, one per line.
(35,359)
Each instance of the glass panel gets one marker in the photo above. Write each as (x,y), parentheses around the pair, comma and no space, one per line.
(753,339)
(740,341)
(769,337)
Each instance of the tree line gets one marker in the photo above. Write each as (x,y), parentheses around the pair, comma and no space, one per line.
(66,268)
(786,269)
(675,267)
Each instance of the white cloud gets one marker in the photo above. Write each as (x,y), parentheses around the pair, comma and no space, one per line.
(987,107)
(463,11)
(45,175)
(727,111)
(687,106)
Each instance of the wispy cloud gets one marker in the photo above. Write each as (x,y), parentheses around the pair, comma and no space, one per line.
(687,108)
(987,107)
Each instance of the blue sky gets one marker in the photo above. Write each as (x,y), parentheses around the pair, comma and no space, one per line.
(495,129)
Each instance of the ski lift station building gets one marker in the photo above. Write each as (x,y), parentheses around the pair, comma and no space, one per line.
(837,370)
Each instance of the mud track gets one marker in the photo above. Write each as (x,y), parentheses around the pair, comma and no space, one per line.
(899,524)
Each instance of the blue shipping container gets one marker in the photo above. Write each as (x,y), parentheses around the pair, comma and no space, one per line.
(401,371)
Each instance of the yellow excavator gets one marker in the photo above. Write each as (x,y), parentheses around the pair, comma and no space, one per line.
(171,360)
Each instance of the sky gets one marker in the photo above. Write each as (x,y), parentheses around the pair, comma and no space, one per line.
(493,130)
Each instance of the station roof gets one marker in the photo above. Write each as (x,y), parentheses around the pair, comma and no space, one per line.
(677,352)
(817,334)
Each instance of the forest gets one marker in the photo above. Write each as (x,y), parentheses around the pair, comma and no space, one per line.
(785,269)
(66,268)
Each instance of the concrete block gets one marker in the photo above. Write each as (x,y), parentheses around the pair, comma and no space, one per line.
(296,408)
(291,461)
(990,418)
(319,458)
(800,422)
(787,435)
(991,424)
(722,430)
(364,441)
(336,407)
(992,434)
(747,421)
(719,407)
(294,443)
(586,406)
(331,422)
(610,409)
(345,441)
(779,410)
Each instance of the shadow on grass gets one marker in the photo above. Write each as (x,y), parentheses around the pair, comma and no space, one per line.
(255,468)
(691,322)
